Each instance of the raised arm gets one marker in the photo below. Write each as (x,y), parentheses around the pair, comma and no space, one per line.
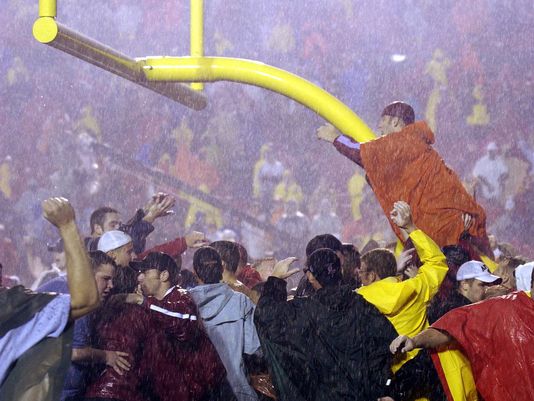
(344,145)
(80,279)
(429,338)
(432,273)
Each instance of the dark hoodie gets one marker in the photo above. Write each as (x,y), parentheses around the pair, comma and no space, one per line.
(333,345)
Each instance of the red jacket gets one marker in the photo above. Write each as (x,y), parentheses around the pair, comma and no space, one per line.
(249,276)
(126,328)
(180,360)
(172,248)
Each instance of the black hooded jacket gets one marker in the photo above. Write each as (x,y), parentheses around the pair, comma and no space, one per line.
(333,345)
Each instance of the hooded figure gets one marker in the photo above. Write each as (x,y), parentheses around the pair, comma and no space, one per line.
(329,346)
(228,319)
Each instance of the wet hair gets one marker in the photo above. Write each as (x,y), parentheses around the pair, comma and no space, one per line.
(327,241)
(207,264)
(371,244)
(455,255)
(351,254)
(229,253)
(187,279)
(325,266)
(401,110)
(513,262)
(99,215)
(99,258)
(160,261)
(381,261)
(243,254)
(351,261)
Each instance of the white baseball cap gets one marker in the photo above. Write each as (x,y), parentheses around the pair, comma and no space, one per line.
(492,146)
(478,270)
(112,240)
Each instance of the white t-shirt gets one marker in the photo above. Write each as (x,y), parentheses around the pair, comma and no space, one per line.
(491,171)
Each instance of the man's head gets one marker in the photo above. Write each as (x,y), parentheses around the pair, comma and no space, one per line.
(377,265)
(229,253)
(59,259)
(103,270)
(473,278)
(243,258)
(157,273)
(493,150)
(351,261)
(395,117)
(208,265)
(104,219)
(119,246)
(323,267)
(327,241)
(506,271)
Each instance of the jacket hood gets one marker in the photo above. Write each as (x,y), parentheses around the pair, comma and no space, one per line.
(335,297)
(523,274)
(211,299)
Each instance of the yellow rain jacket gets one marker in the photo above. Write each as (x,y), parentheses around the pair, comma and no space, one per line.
(404,303)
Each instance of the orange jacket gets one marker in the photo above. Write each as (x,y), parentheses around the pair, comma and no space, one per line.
(404,166)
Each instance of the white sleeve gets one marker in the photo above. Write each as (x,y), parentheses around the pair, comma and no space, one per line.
(48,322)
(344,140)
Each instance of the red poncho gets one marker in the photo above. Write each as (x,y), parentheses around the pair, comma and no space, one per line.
(497,336)
(404,166)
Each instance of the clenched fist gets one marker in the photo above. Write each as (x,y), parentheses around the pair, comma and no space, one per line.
(58,211)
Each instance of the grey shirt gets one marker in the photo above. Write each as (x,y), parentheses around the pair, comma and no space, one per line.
(229,320)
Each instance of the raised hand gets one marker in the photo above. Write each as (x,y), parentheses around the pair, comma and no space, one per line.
(401,344)
(327,133)
(404,259)
(467,220)
(58,211)
(281,268)
(196,239)
(401,215)
(158,206)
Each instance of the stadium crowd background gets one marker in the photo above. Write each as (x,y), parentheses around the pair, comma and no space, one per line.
(465,67)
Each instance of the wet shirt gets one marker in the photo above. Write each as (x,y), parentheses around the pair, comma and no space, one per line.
(48,322)
(77,375)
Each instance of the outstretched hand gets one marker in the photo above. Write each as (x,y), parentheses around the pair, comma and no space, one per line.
(467,220)
(281,268)
(160,205)
(118,361)
(401,215)
(327,133)
(404,259)
(58,211)
(401,344)
(196,239)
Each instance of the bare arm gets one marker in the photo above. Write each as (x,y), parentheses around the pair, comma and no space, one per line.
(429,338)
(80,279)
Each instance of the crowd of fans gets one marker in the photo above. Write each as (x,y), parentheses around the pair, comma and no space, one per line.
(217,319)
(471,81)
(228,329)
